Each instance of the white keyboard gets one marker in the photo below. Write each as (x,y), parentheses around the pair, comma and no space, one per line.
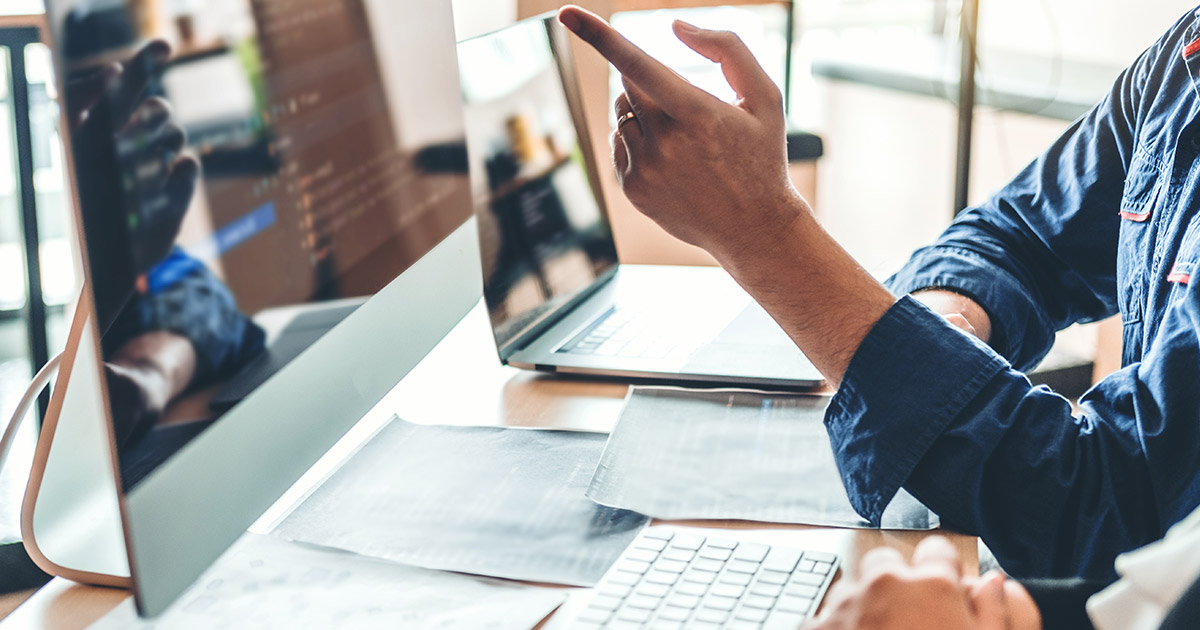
(671,580)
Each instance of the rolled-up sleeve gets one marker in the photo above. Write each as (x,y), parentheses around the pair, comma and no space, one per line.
(929,408)
(1040,254)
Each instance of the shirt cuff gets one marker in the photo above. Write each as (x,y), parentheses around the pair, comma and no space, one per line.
(1019,332)
(913,373)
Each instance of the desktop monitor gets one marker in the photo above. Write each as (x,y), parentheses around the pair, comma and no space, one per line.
(276,219)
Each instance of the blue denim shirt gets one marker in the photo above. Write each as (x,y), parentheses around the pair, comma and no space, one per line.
(185,297)
(1105,221)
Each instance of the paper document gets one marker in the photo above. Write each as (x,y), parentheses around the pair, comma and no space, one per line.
(725,454)
(264,582)
(493,501)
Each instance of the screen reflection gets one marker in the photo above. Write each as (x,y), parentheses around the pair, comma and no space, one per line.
(249,172)
(543,234)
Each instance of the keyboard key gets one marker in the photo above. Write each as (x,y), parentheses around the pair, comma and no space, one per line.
(782,559)
(704,625)
(772,577)
(640,615)
(715,553)
(682,555)
(822,568)
(751,551)
(742,624)
(806,566)
(751,614)
(820,556)
(802,590)
(699,576)
(595,615)
(728,590)
(742,579)
(691,542)
(722,543)
(720,603)
(624,578)
(605,602)
(707,564)
(713,615)
(811,579)
(658,533)
(664,624)
(758,601)
(643,601)
(684,601)
(691,588)
(609,348)
(670,566)
(634,566)
(741,566)
(767,590)
(618,624)
(674,613)
(653,590)
(644,555)
(613,589)
(791,603)
(662,577)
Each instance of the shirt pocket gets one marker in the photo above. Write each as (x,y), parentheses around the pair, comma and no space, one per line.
(1185,266)
(1143,188)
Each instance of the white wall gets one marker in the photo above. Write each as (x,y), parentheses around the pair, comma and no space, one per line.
(476,17)
(1111,32)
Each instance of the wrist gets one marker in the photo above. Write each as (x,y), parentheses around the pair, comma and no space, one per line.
(764,244)
(947,302)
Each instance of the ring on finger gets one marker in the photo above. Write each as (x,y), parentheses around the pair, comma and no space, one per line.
(628,116)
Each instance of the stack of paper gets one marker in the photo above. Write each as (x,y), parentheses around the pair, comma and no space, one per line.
(262,582)
(727,454)
(502,502)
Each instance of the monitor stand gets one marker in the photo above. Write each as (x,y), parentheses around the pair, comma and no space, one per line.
(71,520)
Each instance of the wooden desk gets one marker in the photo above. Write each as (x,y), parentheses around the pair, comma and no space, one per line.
(462,382)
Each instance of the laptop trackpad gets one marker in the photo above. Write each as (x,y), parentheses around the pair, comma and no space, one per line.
(751,345)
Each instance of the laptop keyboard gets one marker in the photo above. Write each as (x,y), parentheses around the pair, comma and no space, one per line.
(667,580)
(621,333)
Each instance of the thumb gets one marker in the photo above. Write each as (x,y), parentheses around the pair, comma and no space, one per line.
(991,611)
(741,69)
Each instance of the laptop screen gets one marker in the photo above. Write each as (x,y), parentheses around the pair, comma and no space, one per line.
(543,232)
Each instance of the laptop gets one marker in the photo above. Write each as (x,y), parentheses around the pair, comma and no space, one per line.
(558,298)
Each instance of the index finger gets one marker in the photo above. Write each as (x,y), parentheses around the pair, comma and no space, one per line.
(670,91)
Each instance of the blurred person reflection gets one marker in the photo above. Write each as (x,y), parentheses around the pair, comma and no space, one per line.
(167,322)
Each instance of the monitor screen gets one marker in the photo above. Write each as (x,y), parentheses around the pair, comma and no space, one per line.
(543,231)
(250,171)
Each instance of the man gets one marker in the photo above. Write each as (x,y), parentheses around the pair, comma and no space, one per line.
(1102,222)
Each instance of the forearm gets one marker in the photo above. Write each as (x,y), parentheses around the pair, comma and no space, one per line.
(821,297)
(952,305)
(167,359)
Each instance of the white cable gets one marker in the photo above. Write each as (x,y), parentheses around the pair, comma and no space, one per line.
(39,382)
